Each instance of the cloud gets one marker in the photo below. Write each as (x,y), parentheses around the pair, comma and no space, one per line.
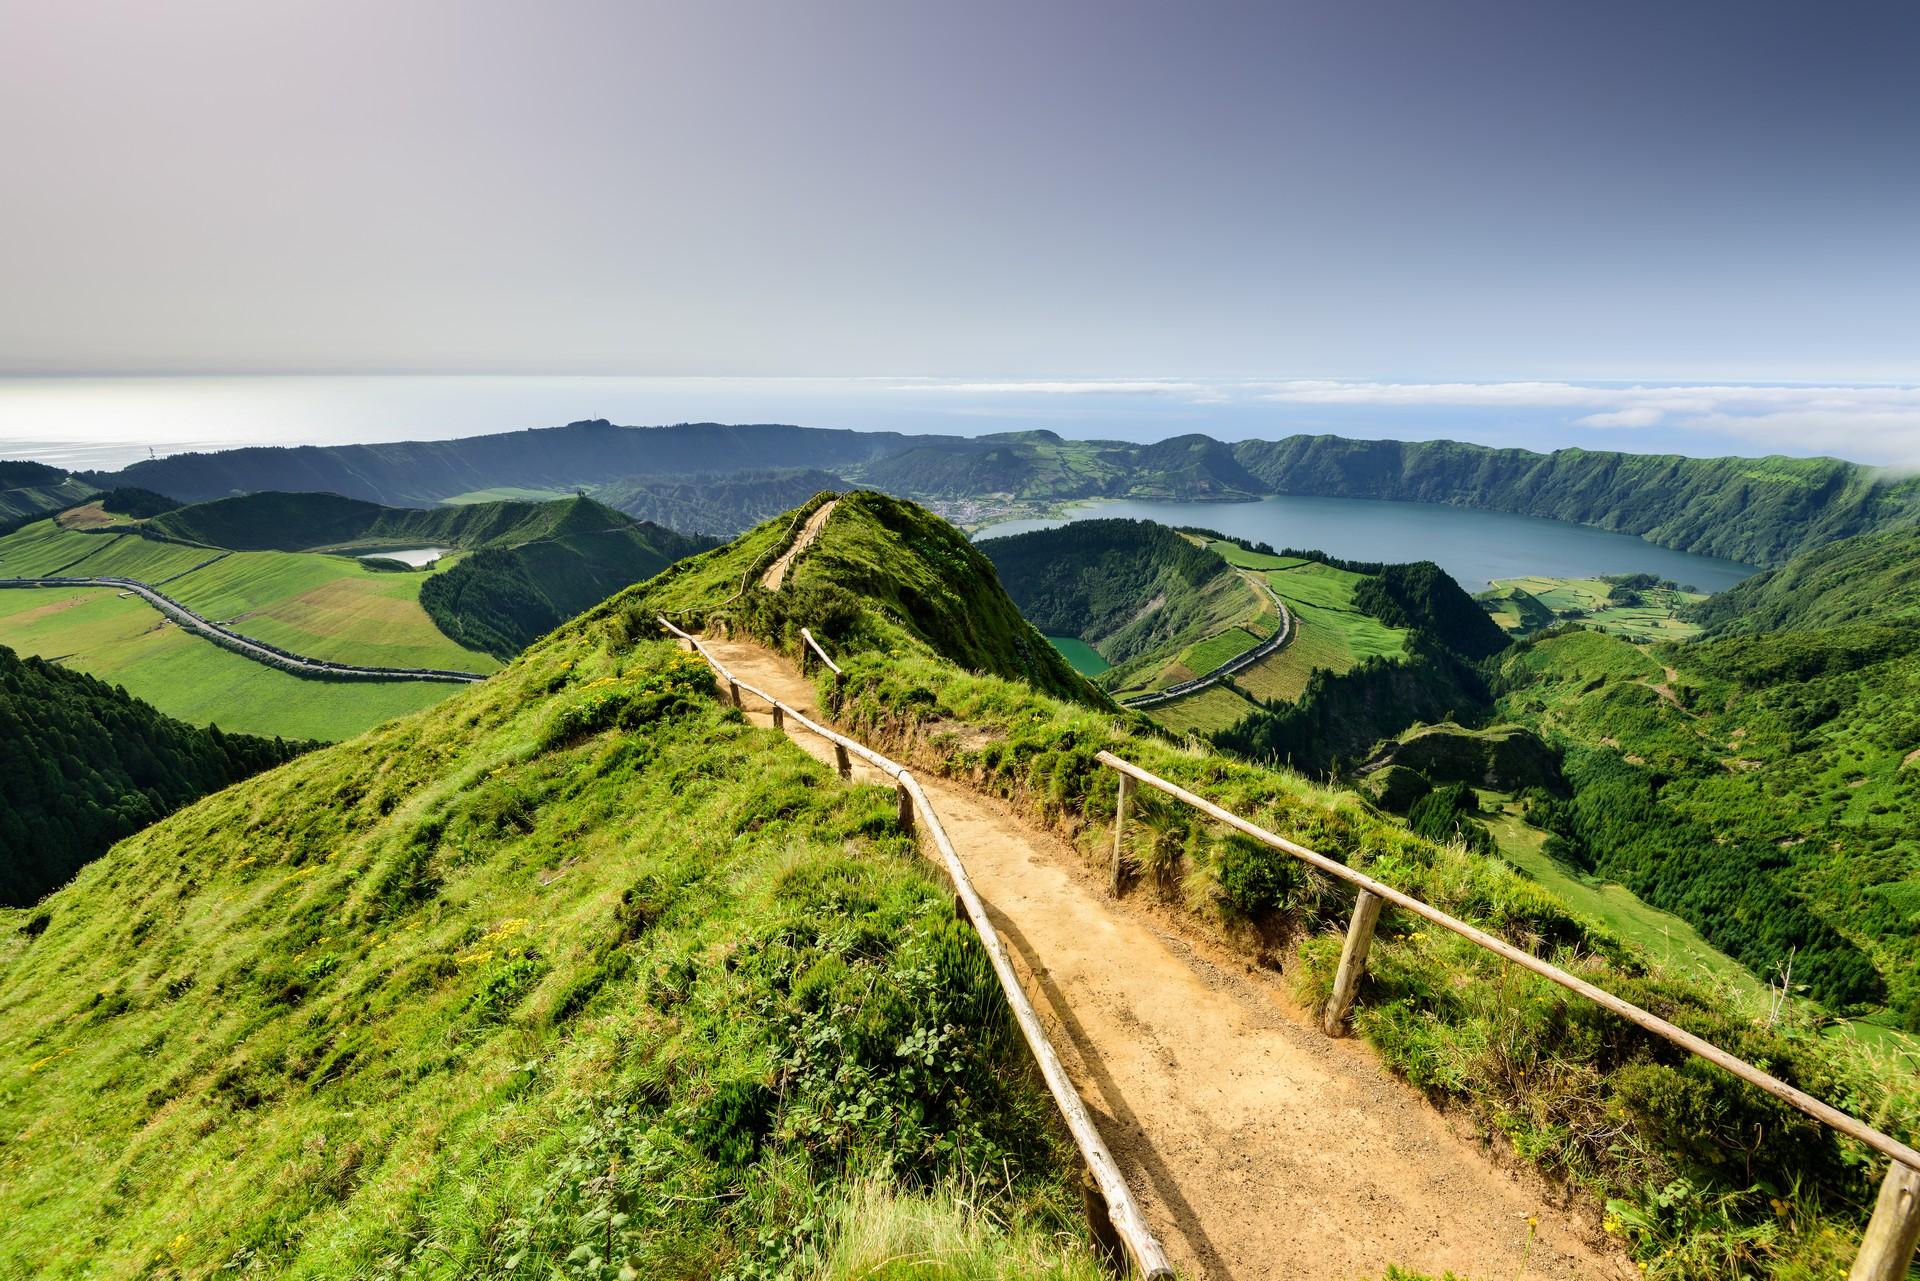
(1644,417)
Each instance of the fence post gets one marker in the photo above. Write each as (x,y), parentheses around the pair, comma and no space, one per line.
(905,812)
(842,760)
(779,717)
(1119,827)
(1353,962)
(1886,1250)
(733,689)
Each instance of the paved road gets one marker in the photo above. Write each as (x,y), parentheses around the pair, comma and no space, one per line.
(259,651)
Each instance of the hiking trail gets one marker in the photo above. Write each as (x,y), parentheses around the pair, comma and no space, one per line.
(777,572)
(1259,1149)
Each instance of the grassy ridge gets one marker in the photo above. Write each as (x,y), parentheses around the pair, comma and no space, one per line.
(122,641)
(1706,1179)
(574,973)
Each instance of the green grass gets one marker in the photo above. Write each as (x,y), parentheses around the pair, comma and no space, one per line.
(1661,935)
(1215,707)
(1219,648)
(576,972)
(318,606)
(506,493)
(1661,615)
(1241,558)
(1329,633)
(1085,658)
(122,640)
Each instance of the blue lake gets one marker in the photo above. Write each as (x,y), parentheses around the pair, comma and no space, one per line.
(1475,547)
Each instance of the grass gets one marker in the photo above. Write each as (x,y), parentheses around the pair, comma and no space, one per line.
(1663,936)
(1657,617)
(1241,558)
(1329,633)
(1219,648)
(1215,707)
(1710,1179)
(573,974)
(320,606)
(122,640)
(506,493)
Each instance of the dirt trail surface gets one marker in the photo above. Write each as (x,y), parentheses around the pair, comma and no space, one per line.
(777,572)
(1259,1149)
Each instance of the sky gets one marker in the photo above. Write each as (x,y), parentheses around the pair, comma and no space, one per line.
(1574,219)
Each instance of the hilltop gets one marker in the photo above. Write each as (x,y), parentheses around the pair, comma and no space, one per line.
(31,490)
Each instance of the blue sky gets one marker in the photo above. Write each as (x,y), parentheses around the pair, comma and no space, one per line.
(1079,201)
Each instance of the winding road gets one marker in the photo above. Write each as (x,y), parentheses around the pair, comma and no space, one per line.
(246,646)
(1239,662)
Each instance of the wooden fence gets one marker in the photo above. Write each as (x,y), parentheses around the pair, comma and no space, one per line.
(1122,1213)
(1887,1249)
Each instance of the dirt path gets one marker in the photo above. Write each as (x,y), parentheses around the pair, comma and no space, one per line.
(777,572)
(1259,1149)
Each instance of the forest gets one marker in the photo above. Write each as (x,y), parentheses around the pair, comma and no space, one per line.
(82,764)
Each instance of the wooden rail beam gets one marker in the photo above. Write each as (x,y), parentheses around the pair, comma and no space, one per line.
(1123,1212)
(1886,1251)
(1353,962)
(1885,1144)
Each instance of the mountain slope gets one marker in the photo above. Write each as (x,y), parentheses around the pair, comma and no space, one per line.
(273,521)
(82,764)
(1873,577)
(1758,510)
(573,972)
(31,490)
(1125,587)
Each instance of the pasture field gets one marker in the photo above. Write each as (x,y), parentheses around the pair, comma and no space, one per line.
(1215,707)
(1665,937)
(1655,617)
(1221,647)
(506,493)
(121,640)
(318,606)
(1329,632)
(1240,558)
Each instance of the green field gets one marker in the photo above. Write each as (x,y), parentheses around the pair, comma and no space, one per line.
(1215,707)
(1241,558)
(1085,658)
(506,493)
(329,607)
(122,640)
(1329,633)
(1656,616)
(1665,937)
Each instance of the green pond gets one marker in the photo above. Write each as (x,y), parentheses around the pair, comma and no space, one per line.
(1085,658)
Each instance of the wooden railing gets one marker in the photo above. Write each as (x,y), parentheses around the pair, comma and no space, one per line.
(1122,1212)
(1886,1250)
(812,648)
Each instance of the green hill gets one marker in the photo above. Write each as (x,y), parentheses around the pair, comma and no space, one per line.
(29,491)
(1873,577)
(1128,588)
(82,764)
(1543,1069)
(272,521)
(577,972)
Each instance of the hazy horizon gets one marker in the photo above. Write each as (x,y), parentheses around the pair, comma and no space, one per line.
(107,422)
